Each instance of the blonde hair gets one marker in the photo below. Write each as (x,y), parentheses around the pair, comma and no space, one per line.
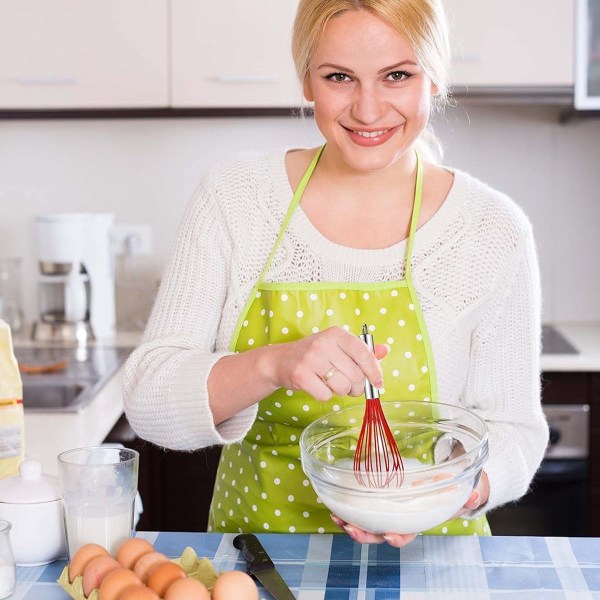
(422,22)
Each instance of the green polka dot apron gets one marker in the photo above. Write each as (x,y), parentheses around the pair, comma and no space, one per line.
(260,485)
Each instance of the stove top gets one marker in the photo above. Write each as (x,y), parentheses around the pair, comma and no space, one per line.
(554,342)
(84,371)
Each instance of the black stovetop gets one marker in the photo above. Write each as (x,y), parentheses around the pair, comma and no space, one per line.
(554,342)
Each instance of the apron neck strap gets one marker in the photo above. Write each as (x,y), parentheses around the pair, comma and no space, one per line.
(414,220)
(300,190)
(297,195)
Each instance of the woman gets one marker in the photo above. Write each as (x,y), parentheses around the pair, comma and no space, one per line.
(282,256)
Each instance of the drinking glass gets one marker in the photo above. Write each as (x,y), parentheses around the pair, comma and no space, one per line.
(99,489)
(7,562)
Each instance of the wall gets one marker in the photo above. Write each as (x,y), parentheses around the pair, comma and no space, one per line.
(145,170)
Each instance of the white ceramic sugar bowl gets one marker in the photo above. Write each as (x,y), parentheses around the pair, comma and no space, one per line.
(32,503)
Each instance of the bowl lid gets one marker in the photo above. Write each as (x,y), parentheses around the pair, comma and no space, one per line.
(30,486)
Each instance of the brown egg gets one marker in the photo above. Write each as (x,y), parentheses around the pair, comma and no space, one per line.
(138,592)
(115,582)
(146,562)
(234,584)
(96,570)
(131,550)
(82,557)
(163,575)
(187,589)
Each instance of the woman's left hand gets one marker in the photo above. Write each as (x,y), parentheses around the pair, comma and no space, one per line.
(364,537)
(479,496)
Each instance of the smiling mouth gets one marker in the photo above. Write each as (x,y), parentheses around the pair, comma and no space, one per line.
(370,134)
(370,137)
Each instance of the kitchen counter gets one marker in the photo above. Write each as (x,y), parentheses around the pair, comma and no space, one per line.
(586,339)
(328,567)
(49,433)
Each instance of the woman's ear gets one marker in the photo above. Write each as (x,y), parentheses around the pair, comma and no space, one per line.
(307,88)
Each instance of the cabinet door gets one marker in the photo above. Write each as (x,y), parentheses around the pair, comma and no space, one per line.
(233,54)
(526,43)
(83,53)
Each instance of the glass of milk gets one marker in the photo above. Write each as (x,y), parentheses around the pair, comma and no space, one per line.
(99,489)
(7,562)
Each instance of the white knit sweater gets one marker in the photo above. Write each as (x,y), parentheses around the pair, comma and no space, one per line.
(474,267)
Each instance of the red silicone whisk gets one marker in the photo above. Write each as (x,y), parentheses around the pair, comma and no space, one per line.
(377,460)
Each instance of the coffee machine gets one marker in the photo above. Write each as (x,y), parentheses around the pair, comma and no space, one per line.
(76,277)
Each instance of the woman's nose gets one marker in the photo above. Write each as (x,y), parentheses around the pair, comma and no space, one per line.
(367,105)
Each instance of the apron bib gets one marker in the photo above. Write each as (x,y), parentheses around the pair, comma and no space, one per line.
(260,485)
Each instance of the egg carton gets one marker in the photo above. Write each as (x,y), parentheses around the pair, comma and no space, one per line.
(197,568)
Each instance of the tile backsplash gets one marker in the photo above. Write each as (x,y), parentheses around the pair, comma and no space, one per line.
(145,171)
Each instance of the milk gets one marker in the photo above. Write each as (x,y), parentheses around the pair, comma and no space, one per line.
(405,510)
(107,527)
(7,578)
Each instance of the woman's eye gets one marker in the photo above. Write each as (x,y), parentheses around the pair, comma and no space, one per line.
(398,75)
(338,77)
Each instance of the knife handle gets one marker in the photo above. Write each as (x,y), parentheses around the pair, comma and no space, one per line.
(253,552)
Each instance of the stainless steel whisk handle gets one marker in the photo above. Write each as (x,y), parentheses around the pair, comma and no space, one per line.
(371,392)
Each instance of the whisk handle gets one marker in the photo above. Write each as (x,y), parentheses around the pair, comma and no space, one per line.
(371,392)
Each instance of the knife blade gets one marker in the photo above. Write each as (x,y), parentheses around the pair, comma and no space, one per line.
(260,566)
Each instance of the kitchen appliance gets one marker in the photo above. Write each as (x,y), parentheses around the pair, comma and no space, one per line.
(553,342)
(76,278)
(85,370)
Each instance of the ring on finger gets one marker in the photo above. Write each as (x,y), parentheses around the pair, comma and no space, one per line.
(329,374)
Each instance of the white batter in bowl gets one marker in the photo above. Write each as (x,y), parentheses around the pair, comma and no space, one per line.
(444,448)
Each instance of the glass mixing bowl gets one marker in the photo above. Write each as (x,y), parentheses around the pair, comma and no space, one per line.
(443,448)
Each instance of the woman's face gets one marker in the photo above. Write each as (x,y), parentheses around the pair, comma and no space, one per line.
(371,98)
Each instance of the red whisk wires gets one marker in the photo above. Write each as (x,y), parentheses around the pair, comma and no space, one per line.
(377,460)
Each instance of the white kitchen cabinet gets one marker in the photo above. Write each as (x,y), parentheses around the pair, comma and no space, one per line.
(511,43)
(233,54)
(64,54)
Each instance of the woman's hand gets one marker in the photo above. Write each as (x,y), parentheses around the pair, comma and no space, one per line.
(333,361)
(364,537)
(479,496)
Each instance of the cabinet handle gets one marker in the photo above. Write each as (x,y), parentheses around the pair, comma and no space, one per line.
(245,79)
(51,80)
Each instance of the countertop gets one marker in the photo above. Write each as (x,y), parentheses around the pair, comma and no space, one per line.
(333,567)
(586,338)
(47,434)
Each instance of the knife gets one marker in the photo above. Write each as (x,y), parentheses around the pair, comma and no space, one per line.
(259,565)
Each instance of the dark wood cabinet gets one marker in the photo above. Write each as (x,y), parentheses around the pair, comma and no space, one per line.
(566,388)
(175,487)
(564,498)
(594,471)
(581,388)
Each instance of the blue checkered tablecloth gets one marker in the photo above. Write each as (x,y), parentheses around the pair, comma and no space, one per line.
(333,567)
